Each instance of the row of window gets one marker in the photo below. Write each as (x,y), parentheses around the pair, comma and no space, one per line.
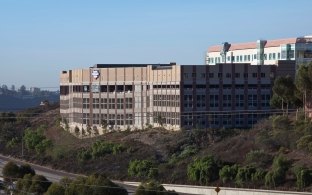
(171,118)
(215,101)
(229,86)
(111,103)
(166,100)
(246,58)
(227,75)
(108,119)
(215,120)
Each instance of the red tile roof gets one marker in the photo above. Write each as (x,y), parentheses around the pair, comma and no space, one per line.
(253,45)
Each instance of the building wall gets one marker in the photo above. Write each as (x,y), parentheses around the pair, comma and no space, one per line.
(174,96)
(225,95)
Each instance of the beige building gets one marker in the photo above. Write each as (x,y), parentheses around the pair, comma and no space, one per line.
(262,52)
(130,96)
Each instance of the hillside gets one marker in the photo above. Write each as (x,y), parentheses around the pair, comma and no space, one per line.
(276,139)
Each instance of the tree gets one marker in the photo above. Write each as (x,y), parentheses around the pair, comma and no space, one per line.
(95,185)
(10,172)
(203,170)
(161,120)
(26,169)
(35,140)
(55,188)
(303,81)
(39,184)
(142,169)
(284,88)
(77,131)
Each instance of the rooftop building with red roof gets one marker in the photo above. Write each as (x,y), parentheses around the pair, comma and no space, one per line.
(262,52)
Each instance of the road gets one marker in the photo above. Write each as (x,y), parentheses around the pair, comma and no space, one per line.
(56,175)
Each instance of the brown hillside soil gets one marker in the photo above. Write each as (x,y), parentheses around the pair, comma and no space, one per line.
(168,149)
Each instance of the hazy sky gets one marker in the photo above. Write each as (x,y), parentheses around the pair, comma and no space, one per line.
(39,38)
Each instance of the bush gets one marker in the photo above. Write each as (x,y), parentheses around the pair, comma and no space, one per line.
(244,174)
(228,173)
(153,188)
(35,140)
(258,176)
(55,189)
(94,184)
(142,169)
(303,177)
(203,170)
(36,184)
(277,175)
(305,143)
(10,171)
(258,158)
(99,149)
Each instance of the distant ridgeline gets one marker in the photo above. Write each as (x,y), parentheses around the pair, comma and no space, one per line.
(11,100)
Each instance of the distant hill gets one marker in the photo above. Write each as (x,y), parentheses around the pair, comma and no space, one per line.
(16,103)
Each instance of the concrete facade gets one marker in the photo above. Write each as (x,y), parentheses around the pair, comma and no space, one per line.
(135,96)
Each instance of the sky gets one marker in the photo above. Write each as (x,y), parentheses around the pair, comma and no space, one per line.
(39,39)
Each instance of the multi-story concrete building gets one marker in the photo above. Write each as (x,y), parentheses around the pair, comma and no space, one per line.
(176,96)
(262,51)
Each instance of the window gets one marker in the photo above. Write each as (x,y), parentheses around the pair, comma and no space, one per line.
(227,101)
(185,75)
(96,103)
(254,75)
(273,56)
(229,58)
(219,75)
(85,102)
(86,88)
(203,75)
(240,58)
(262,74)
(237,58)
(245,75)
(279,55)
(211,75)
(245,58)
(128,103)
(193,75)
(255,56)
(239,100)
(248,57)
(111,104)
(252,101)
(96,119)
(270,56)
(103,103)
(228,75)
(237,75)
(265,56)
(120,103)
(214,100)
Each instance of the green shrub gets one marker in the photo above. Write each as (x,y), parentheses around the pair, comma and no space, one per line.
(258,176)
(244,174)
(203,170)
(277,175)
(153,188)
(258,158)
(228,173)
(142,169)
